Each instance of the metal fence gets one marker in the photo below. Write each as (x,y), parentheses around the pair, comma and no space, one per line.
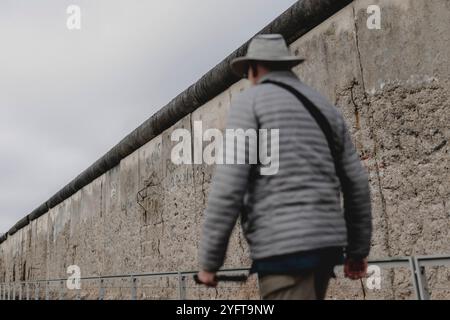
(177,282)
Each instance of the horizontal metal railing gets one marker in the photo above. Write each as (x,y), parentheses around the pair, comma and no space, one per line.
(23,290)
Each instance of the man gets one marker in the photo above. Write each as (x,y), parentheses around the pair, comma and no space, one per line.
(293,220)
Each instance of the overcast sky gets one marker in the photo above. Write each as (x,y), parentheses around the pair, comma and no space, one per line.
(67,97)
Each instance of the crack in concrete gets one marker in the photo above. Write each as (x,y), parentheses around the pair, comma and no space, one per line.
(101,198)
(194,168)
(438,147)
(355,105)
(203,188)
(358,51)
(384,214)
(158,247)
(240,240)
(375,141)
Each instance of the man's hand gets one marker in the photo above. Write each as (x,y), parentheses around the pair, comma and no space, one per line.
(207,278)
(355,269)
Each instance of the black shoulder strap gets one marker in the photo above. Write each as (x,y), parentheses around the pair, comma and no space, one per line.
(321,120)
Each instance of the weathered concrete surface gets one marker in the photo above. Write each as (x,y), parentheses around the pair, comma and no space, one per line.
(393,89)
(145,215)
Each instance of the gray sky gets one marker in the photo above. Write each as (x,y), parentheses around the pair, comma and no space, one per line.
(67,97)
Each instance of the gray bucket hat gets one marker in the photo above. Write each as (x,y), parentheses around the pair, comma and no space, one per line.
(268,48)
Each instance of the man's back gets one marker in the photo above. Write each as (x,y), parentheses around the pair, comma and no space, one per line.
(299,207)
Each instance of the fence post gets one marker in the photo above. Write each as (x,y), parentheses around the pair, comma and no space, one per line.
(133,288)
(421,279)
(257,287)
(61,290)
(181,286)
(20,290)
(36,290)
(412,268)
(101,291)
(78,295)
(47,284)
(14,291)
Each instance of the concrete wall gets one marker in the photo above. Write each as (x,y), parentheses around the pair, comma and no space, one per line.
(392,85)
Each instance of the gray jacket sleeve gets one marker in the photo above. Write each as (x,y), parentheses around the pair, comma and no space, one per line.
(357,204)
(227,191)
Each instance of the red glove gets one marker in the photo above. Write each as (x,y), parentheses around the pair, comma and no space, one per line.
(355,269)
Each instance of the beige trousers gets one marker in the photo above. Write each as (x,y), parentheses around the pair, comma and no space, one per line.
(311,285)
